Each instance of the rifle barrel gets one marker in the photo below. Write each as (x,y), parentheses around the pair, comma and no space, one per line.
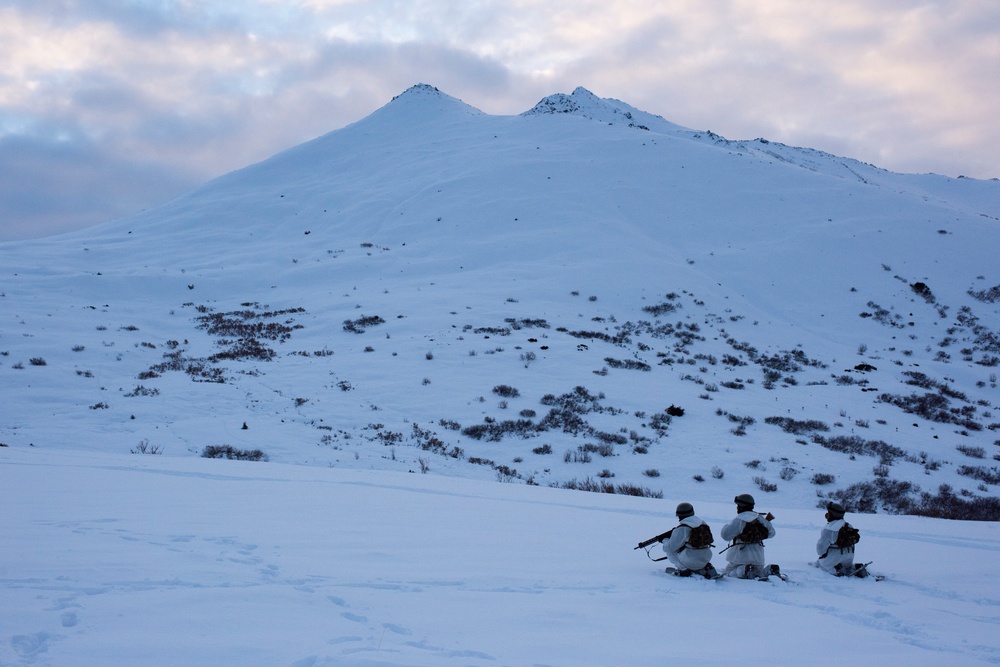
(658,538)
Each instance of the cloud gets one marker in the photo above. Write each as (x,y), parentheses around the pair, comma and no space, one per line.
(907,88)
(49,186)
(141,18)
(189,90)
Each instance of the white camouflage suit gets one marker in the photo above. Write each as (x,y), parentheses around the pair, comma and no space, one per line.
(830,556)
(686,558)
(741,554)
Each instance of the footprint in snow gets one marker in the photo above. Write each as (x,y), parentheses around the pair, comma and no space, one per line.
(354,617)
(28,647)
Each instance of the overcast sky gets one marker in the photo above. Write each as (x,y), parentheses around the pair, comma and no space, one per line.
(108,107)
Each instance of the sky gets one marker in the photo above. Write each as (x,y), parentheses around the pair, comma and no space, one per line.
(109,107)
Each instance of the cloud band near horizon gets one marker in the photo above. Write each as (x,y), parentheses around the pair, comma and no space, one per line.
(111,106)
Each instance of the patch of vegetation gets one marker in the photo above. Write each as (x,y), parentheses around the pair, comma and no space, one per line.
(493,331)
(602,486)
(197,368)
(526,323)
(493,431)
(765,485)
(243,330)
(145,448)
(900,497)
(610,438)
(797,426)
(630,364)
(883,316)
(982,473)
(663,308)
(855,445)
(230,452)
(475,460)
(972,452)
(619,339)
(428,441)
(361,324)
(991,295)
(143,391)
(788,473)
(659,422)
(985,341)
(934,407)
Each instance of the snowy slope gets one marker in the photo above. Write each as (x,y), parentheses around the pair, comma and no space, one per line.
(188,561)
(583,244)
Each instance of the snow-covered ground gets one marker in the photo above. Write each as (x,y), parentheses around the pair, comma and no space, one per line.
(155,560)
(406,311)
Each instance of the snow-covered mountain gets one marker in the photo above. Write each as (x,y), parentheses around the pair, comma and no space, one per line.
(436,284)
(582,296)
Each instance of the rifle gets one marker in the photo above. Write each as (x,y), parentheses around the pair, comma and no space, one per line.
(653,540)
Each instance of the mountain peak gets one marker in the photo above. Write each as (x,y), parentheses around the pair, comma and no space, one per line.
(421,103)
(581,102)
(578,102)
(420,89)
(423,95)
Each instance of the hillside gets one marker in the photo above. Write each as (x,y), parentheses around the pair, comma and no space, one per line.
(584,295)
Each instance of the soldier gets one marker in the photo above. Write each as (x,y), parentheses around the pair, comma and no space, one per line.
(746,534)
(836,544)
(689,546)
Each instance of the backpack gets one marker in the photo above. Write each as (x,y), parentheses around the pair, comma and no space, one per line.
(847,537)
(700,537)
(754,532)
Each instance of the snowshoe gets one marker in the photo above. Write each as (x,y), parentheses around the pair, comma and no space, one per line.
(861,571)
(707,573)
(760,573)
